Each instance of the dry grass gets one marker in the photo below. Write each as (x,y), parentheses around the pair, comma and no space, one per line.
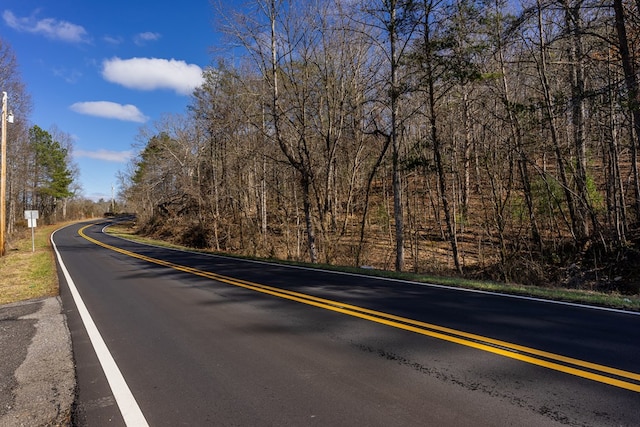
(27,274)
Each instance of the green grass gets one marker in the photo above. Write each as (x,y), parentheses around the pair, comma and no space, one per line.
(611,300)
(27,274)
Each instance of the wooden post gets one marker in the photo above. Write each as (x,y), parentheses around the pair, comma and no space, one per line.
(3,176)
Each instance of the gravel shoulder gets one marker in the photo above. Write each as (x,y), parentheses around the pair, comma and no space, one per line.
(37,373)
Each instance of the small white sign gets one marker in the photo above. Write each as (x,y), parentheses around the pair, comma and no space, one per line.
(31,215)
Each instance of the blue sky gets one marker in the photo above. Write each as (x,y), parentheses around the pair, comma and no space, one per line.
(99,70)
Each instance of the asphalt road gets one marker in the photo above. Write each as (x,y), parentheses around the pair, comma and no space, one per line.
(207,340)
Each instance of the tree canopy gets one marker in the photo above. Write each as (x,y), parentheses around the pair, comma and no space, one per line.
(52,176)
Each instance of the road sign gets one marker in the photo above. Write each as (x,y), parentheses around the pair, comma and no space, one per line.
(32,217)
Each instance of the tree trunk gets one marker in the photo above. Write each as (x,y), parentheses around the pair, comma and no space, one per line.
(550,116)
(573,22)
(306,203)
(633,101)
(435,140)
(466,152)
(395,144)
(367,195)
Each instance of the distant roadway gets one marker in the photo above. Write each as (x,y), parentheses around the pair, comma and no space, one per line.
(166,338)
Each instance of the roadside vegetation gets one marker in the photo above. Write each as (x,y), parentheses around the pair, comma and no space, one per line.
(611,300)
(27,274)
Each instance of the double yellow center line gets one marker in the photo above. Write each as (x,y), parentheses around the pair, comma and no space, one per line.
(592,371)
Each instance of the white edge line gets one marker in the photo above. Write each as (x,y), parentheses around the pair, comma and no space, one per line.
(407,282)
(127,404)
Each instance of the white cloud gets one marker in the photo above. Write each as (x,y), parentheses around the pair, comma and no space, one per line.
(48,27)
(153,73)
(106,155)
(141,38)
(110,110)
(112,40)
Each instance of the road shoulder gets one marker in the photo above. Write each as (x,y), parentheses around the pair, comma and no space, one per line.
(43,385)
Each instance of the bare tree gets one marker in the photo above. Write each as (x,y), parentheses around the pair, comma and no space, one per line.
(394,22)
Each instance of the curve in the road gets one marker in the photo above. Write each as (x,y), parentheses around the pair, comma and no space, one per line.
(584,369)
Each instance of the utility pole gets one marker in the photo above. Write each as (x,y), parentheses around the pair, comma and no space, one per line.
(3,175)
(6,117)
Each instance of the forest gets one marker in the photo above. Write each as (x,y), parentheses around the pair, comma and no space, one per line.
(460,137)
